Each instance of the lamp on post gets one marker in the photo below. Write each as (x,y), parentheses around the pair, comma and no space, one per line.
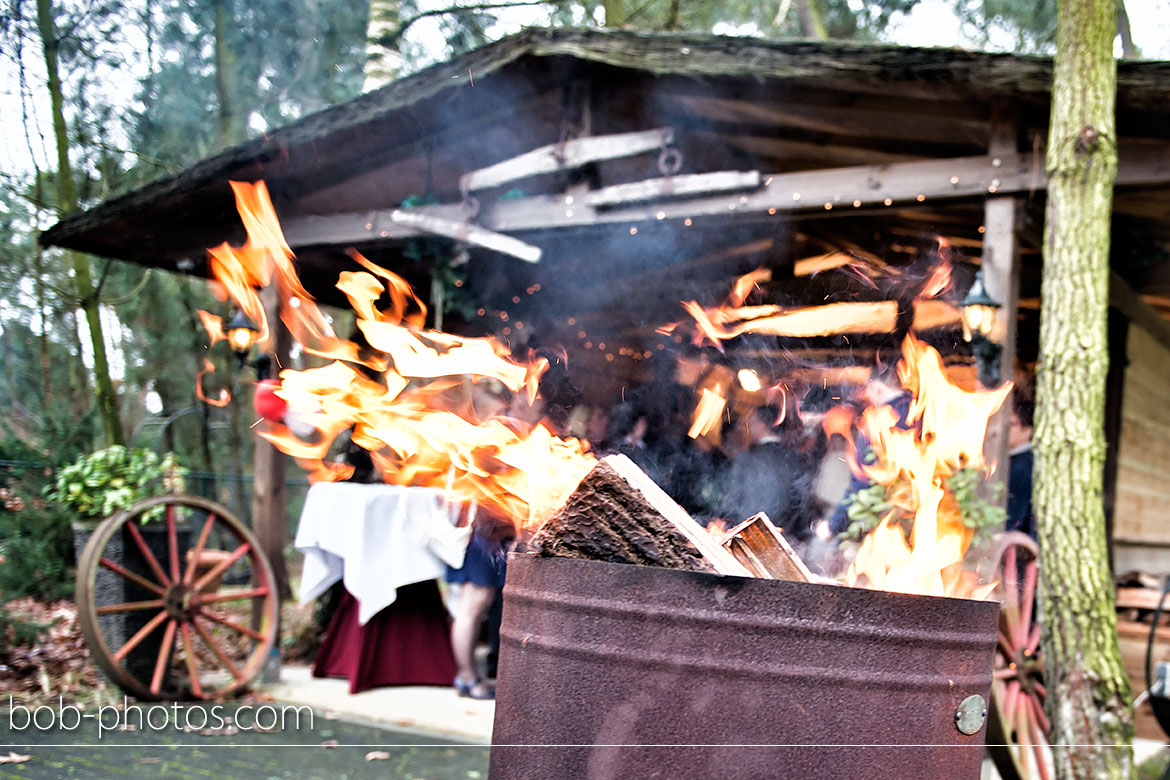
(241,335)
(978,311)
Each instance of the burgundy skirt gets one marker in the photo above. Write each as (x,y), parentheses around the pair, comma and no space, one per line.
(407,643)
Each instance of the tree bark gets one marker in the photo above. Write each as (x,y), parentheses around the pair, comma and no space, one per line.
(812,23)
(269,519)
(615,13)
(224,76)
(67,204)
(1088,692)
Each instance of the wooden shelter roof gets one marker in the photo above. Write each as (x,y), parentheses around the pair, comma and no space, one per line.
(845,103)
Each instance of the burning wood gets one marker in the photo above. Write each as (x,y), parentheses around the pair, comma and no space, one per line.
(619,515)
(759,546)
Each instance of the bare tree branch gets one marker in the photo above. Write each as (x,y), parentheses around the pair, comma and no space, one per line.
(392,39)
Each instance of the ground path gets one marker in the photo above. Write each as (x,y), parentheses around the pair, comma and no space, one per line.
(228,753)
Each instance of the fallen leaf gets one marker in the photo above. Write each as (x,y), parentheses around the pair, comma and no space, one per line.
(149,760)
(377,755)
(330,743)
(224,732)
(14,758)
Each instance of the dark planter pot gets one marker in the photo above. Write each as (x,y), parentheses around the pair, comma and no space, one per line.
(616,671)
(112,588)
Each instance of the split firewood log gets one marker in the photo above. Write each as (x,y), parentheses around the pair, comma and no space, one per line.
(618,514)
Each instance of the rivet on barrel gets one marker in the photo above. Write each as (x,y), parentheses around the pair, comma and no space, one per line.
(971,714)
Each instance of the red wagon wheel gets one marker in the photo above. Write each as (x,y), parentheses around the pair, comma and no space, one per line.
(1017,729)
(151,606)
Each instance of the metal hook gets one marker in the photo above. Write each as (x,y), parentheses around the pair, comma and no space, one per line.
(670,161)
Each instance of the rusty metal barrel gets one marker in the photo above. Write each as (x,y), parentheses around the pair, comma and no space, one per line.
(617,671)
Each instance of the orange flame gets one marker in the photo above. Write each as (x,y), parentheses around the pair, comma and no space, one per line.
(223,399)
(412,409)
(949,427)
(213,324)
(708,412)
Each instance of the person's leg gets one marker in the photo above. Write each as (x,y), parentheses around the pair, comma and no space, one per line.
(474,601)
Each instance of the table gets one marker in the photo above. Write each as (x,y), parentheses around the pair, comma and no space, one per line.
(387,544)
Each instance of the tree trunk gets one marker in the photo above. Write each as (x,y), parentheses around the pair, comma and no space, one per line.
(382,59)
(269,519)
(1088,692)
(1128,50)
(224,76)
(812,23)
(43,338)
(67,204)
(615,13)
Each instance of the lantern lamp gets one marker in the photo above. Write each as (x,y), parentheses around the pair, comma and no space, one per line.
(978,312)
(241,334)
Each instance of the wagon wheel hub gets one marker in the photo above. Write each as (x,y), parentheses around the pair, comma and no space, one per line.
(180,600)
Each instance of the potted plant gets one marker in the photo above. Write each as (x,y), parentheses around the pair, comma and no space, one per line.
(101,483)
(95,487)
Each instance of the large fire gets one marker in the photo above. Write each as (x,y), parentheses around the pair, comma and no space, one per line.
(944,430)
(414,398)
(411,399)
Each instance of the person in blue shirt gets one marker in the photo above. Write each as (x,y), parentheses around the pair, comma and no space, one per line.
(1019,504)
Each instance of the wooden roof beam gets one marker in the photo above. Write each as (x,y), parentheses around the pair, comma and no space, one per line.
(909,182)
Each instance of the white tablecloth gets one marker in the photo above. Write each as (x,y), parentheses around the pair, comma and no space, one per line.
(375,538)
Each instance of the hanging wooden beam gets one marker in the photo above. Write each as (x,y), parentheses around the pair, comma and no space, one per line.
(838,188)
(1123,298)
(673,187)
(567,156)
(468,233)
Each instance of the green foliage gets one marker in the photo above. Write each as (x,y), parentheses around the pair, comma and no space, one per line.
(869,506)
(36,543)
(1029,24)
(97,485)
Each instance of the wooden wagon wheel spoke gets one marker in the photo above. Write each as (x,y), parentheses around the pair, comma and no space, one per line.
(189,575)
(164,655)
(236,596)
(192,661)
(215,648)
(130,606)
(229,624)
(147,555)
(137,580)
(223,565)
(173,542)
(183,597)
(1018,728)
(135,640)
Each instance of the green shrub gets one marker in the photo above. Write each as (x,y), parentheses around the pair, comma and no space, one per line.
(97,485)
(36,543)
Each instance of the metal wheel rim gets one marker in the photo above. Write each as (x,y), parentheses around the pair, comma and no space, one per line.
(183,631)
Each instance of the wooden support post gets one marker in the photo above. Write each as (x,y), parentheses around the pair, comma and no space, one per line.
(1001,278)
(269,520)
